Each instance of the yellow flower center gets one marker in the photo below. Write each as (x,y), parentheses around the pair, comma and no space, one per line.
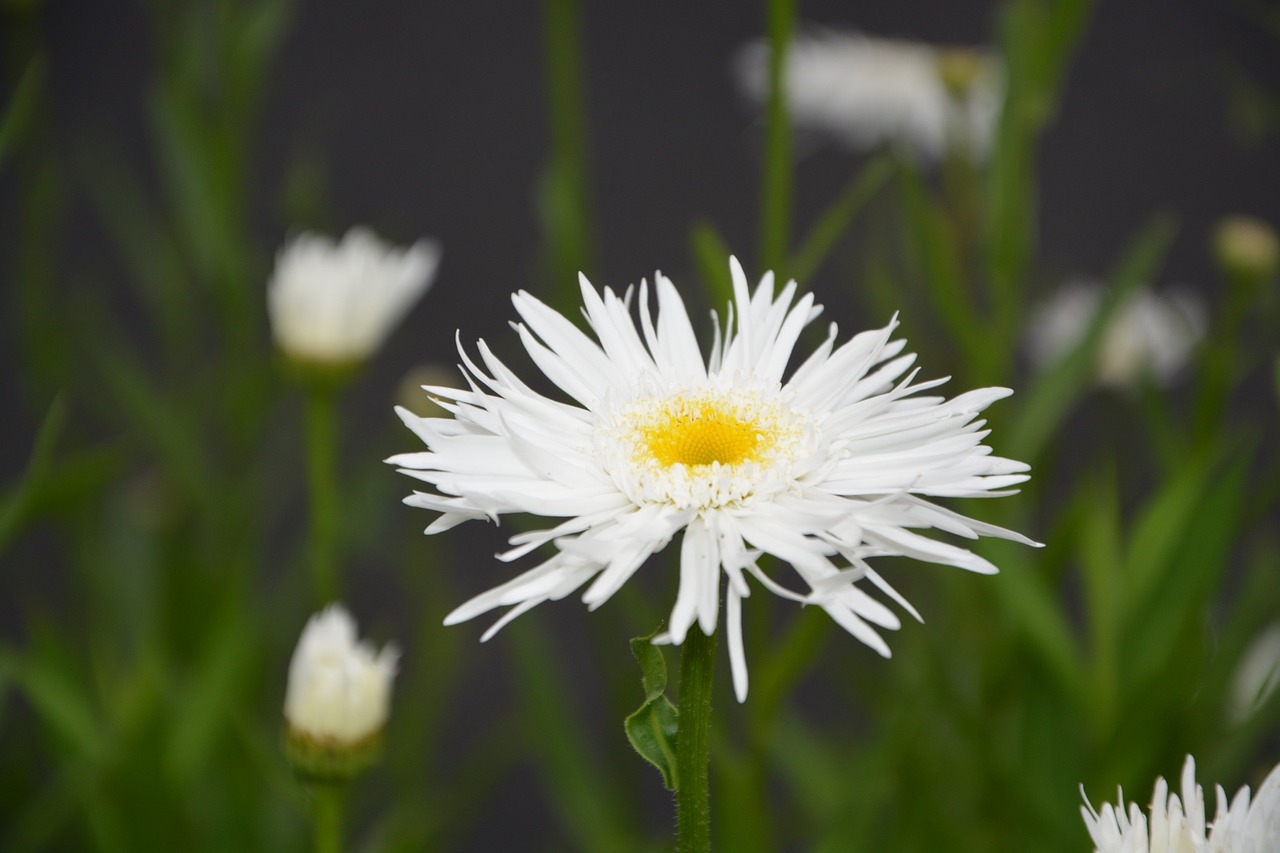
(703,448)
(701,432)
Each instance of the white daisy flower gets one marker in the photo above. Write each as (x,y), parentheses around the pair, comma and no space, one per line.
(1178,825)
(1150,335)
(824,466)
(335,303)
(864,91)
(339,688)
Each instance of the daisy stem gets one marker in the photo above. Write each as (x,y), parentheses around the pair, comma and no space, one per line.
(775,223)
(693,745)
(328,815)
(323,483)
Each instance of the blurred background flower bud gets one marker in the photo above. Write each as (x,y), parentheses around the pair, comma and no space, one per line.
(961,69)
(337,699)
(410,393)
(1246,248)
(333,304)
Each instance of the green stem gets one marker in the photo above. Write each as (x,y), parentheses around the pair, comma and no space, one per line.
(322,444)
(775,223)
(328,814)
(565,191)
(693,745)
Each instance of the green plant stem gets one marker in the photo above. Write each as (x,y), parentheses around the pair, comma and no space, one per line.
(328,814)
(565,194)
(322,443)
(775,204)
(693,745)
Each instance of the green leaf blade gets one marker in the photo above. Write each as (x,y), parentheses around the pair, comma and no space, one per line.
(653,727)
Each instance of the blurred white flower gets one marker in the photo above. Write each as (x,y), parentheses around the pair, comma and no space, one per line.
(339,688)
(866,91)
(1150,335)
(825,469)
(1257,676)
(1178,825)
(334,303)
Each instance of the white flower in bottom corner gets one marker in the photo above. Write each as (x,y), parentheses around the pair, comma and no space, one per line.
(339,688)
(334,303)
(1150,335)
(824,464)
(1178,825)
(865,91)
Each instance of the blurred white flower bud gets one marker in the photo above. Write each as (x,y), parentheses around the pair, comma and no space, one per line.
(411,393)
(333,304)
(1246,247)
(338,696)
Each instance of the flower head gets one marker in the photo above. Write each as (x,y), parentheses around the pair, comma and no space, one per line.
(1150,335)
(339,691)
(824,466)
(1178,825)
(865,91)
(334,303)
(1247,247)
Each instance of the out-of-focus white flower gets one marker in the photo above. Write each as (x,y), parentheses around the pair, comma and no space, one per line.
(826,468)
(1178,825)
(335,303)
(866,91)
(1247,247)
(1150,334)
(339,687)
(1257,676)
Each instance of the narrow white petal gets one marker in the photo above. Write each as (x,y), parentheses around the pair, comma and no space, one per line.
(737,656)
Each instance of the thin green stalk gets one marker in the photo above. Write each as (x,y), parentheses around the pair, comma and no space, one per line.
(775,213)
(564,196)
(322,445)
(693,745)
(328,815)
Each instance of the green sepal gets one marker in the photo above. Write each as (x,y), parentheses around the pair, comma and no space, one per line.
(653,728)
(325,761)
(320,376)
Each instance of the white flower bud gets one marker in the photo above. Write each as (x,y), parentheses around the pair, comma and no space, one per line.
(333,304)
(339,691)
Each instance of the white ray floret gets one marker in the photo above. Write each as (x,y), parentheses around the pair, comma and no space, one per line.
(1177,825)
(824,467)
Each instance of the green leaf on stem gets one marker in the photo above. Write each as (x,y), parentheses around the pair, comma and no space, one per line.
(932,241)
(653,727)
(18,118)
(712,256)
(15,505)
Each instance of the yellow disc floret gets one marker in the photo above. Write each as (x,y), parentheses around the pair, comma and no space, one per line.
(700,432)
(703,448)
